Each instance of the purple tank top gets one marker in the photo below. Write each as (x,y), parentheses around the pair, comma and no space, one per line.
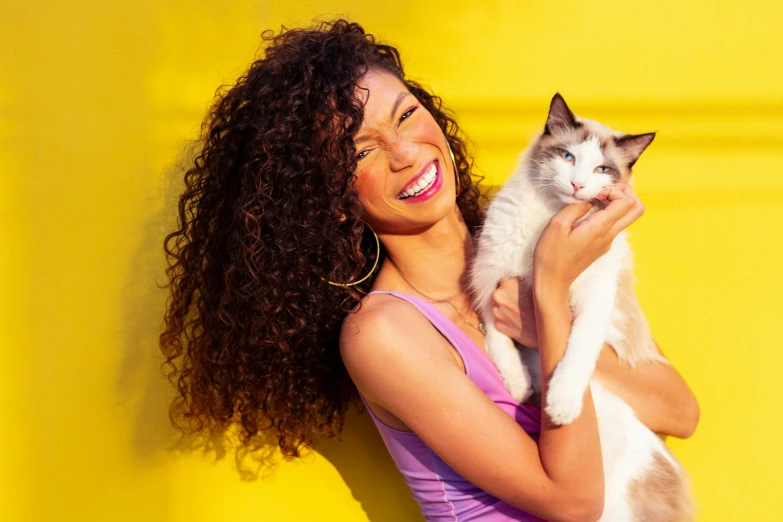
(442,494)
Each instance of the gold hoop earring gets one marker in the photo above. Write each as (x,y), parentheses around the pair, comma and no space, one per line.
(454,162)
(374,266)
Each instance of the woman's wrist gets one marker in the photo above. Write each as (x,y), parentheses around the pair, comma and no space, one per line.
(553,324)
(549,292)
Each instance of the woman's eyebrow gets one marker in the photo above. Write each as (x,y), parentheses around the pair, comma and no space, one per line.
(397,103)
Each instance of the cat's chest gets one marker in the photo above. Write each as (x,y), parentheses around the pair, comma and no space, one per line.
(512,229)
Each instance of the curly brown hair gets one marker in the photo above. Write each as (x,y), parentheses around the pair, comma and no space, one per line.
(268,210)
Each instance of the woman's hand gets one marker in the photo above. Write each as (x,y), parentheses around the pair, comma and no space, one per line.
(566,249)
(512,308)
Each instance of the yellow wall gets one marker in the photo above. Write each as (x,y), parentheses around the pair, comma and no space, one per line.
(98,98)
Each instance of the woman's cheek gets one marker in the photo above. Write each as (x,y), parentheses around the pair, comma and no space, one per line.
(418,129)
(369,184)
(425,129)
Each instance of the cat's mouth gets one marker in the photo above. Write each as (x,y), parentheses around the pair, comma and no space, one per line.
(574,198)
(569,199)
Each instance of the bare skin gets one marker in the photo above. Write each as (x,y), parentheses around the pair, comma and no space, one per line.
(411,377)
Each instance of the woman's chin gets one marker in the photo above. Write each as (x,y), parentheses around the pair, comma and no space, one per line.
(434,212)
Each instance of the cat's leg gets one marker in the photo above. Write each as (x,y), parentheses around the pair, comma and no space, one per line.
(531,360)
(594,306)
(504,353)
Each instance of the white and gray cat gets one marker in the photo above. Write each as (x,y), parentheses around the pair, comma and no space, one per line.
(572,161)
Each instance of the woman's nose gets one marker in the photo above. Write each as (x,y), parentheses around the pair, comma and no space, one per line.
(402,154)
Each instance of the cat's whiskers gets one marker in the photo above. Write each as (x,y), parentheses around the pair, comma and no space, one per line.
(546,183)
(543,177)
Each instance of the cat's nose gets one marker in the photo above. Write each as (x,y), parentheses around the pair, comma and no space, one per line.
(577,186)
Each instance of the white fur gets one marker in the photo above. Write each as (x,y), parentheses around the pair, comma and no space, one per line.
(514,222)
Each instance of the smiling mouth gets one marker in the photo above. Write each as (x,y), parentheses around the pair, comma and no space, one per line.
(424,182)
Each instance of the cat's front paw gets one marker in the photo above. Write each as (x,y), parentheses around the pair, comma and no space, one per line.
(564,398)
(518,386)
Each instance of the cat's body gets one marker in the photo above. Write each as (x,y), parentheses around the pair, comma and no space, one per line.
(573,160)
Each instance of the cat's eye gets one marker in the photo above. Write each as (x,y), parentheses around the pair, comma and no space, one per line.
(567,155)
(602,169)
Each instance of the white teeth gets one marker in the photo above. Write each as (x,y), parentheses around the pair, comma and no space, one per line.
(423,184)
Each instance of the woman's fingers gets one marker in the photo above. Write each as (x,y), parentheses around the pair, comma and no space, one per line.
(634,213)
(506,292)
(566,216)
(623,209)
(604,219)
(500,307)
(513,311)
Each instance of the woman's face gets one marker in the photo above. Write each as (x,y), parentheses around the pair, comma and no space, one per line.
(405,176)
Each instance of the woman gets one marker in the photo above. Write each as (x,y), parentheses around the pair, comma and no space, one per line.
(327,227)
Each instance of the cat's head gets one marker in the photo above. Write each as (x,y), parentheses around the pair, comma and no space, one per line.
(575,158)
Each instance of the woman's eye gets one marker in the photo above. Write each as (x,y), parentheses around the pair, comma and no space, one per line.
(362,154)
(567,155)
(408,113)
(602,169)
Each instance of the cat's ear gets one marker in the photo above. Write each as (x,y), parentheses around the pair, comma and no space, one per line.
(634,144)
(559,115)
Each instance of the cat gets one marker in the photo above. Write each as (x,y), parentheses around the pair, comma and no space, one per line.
(571,161)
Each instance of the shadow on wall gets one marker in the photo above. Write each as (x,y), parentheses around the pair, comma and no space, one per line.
(369,471)
(360,456)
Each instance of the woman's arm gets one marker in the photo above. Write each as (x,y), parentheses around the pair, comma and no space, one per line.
(656,391)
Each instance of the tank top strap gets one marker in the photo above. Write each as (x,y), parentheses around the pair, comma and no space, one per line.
(461,342)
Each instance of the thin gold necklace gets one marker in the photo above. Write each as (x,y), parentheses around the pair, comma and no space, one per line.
(481,328)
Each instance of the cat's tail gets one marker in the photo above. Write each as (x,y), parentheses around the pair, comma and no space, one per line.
(663,492)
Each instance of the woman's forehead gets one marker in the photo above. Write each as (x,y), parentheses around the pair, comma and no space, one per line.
(380,91)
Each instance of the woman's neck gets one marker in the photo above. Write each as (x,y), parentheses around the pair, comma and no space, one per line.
(433,262)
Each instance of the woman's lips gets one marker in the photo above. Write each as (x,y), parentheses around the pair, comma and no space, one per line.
(424,178)
(433,188)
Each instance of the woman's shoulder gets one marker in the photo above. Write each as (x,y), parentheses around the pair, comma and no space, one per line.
(385,326)
(377,315)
